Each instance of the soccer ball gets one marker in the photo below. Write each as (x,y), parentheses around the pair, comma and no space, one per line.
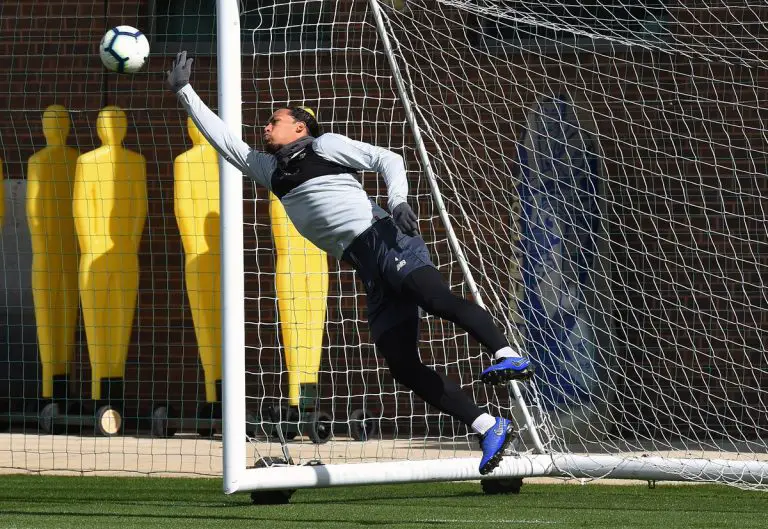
(124,49)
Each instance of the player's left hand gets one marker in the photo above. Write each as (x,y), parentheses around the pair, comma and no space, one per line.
(406,219)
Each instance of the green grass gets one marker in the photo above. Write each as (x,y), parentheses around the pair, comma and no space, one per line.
(49,502)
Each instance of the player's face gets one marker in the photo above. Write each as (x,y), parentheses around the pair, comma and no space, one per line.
(281,130)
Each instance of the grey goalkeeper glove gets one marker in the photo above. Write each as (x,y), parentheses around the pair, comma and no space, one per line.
(406,219)
(178,75)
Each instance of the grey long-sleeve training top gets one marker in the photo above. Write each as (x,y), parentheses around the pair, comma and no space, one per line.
(330,211)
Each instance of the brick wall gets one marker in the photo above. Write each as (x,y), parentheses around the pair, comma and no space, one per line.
(48,54)
(657,114)
(683,136)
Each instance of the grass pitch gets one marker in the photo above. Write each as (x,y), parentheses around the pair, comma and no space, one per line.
(50,502)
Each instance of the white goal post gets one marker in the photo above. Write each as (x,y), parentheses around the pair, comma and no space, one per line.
(232,283)
(571,176)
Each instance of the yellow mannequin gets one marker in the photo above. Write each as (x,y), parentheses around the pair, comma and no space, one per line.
(301,281)
(50,176)
(110,207)
(196,192)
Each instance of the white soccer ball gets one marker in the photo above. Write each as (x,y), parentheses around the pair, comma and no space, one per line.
(124,49)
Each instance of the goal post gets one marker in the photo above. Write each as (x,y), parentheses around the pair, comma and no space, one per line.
(543,152)
(237,474)
(232,267)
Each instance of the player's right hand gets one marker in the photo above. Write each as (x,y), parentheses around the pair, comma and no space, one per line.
(406,219)
(178,76)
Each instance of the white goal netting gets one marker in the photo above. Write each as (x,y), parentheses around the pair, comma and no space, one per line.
(603,169)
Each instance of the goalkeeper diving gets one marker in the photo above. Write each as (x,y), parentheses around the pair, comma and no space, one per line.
(315,177)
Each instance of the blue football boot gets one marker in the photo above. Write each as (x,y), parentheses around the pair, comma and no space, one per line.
(493,443)
(506,369)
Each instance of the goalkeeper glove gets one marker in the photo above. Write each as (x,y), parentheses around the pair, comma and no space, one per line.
(178,75)
(406,219)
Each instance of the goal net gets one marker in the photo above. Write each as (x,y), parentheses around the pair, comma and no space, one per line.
(592,174)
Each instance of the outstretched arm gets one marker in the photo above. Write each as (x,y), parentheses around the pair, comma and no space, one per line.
(367,157)
(255,164)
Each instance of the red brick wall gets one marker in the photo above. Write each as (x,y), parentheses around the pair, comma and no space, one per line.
(48,54)
(684,200)
(670,314)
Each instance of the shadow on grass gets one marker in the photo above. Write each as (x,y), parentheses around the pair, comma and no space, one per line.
(384,498)
(45,502)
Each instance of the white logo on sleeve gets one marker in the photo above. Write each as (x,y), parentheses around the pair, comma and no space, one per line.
(400,264)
